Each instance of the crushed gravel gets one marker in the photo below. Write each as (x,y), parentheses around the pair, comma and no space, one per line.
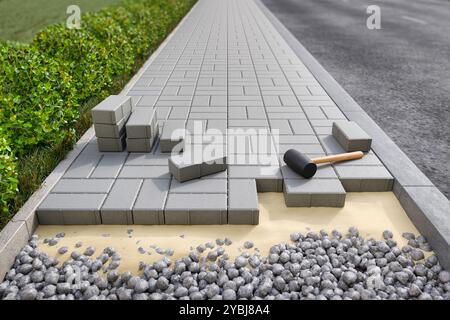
(315,266)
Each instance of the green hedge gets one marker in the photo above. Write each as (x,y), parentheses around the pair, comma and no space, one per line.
(8,176)
(45,85)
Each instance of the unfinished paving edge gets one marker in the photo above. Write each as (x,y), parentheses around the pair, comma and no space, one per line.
(427,217)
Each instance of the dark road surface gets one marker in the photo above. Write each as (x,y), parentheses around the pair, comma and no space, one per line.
(400,74)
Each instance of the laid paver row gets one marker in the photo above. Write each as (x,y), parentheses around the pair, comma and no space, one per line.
(225,68)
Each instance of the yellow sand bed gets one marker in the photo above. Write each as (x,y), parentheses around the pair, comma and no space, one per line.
(371,213)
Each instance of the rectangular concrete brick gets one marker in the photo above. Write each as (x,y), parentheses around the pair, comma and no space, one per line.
(255,112)
(109,166)
(301,127)
(217,125)
(83,165)
(154,159)
(149,205)
(117,208)
(142,124)
(208,109)
(365,178)
(314,193)
(199,186)
(303,148)
(66,208)
(140,145)
(162,113)
(186,167)
(179,113)
(248,123)
(83,186)
(334,113)
(208,115)
(145,172)
(298,139)
(172,135)
(110,130)
(268,178)
(369,159)
(147,101)
(286,115)
(203,209)
(237,113)
(283,109)
(314,113)
(111,144)
(282,126)
(350,136)
(112,110)
(243,205)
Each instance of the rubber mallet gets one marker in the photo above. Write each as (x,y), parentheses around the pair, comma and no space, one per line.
(307,167)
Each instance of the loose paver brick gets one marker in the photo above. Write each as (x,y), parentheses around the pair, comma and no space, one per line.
(112,110)
(140,145)
(351,136)
(142,124)
(110,130)
(111,144)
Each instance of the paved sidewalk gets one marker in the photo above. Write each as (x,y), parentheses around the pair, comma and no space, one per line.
(227,67)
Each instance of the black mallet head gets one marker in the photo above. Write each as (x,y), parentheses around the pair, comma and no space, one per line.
(300,163)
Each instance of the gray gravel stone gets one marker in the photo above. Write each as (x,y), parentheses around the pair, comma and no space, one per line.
(248,244)
(240,262)
(311,267)
(89,251)
(408,235)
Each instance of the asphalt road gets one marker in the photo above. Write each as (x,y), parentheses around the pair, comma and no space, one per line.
(400,74)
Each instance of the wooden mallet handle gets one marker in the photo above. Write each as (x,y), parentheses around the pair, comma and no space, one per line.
(339,157)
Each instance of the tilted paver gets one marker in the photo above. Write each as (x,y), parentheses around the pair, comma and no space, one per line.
(226,67)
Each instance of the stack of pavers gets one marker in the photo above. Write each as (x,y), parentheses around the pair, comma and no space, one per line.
(142,130)
(110,117)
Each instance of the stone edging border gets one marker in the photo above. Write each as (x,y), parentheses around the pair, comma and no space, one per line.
(426,206)
(18,231)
